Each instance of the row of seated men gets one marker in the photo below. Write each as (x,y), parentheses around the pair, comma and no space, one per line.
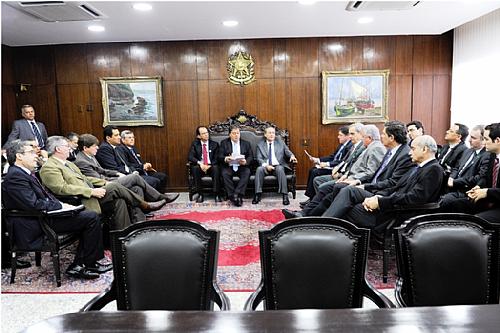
(381,171)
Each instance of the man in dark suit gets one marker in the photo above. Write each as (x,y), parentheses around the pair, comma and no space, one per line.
(488,198)
(22,190)
(203,158)
(414,129)
(235,157)
(324,165)
(73,144)
(273,157)
(28,128)
(421,184)
(471,170)
(134,161)
(450,154)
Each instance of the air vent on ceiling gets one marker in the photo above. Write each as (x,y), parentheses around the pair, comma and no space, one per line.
(59,11)
(365,6)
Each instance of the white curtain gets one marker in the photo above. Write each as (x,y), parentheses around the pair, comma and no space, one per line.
(475,93)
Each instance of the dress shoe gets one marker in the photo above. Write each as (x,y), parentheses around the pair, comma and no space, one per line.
(290,214)
(286,201)
(150,206)
(256,198)
(302,204)
(240,200)
(81,272)
(200,198)
(100,268)
(218,198)
(235,200)
(171,197)
(20,264)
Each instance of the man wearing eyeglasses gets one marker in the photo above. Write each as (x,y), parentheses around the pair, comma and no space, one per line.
(28,128)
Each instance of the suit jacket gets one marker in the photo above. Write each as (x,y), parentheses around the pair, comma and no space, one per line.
(452,159)
(493,195)
(398,166)
(466,176)
(331,159)
(418,186)
(226,149)
(281,150)
(62,180)
(130,160)
(353,155)
(195,152)
(368,162)
(112,158)
(21,191)
(21,129)
(90,167)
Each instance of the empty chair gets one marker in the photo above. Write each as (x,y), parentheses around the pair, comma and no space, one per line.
(315,263)
(163,265)
(447,259)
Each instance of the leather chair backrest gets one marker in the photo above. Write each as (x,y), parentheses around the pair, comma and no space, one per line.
(314,266)
(449,262)
(164,269)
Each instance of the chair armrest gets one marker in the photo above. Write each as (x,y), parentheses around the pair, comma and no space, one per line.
(24,213)
(398,292)
(376,296)
(255,298)
(424,206)
(74,200)
(220,298)
(100,301)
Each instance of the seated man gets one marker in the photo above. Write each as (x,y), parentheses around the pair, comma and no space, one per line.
(273,157)
(235,157)
(134,161)
(421,184)
(487,199)
(22,190)
(414,129)
(203,158)
(90,167)
(73,145)
(324,165)
(64,178)
(450,154)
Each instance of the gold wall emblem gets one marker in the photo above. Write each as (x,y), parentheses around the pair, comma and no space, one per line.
(240,67)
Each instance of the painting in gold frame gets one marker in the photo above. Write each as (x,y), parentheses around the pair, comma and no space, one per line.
(132,101)
(352,96)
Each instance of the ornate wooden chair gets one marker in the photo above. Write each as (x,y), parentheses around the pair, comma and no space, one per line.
(316,263)
(163,265)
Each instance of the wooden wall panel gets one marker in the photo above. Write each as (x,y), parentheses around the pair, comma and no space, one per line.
(287,90)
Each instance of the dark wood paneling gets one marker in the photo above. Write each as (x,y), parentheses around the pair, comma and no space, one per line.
(108,60)
(279,58)
(423,55)
(262,51)
(218,53)
(403,98)
(180,59)
(73,104)
(202,60)
(225,99)
(404,55)
(379,53)
(335,54)
(44,100)
(422,100)
(8,75)
(146,59)
(441,107)
(10,111)
(443,55)
(35,65)
(68,70)
(302,60)
(356,53)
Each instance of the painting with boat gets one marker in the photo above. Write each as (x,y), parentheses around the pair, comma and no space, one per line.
(132,101)
(354,96)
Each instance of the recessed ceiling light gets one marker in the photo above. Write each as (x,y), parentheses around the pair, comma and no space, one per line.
(307,2)
(142,6)
(96,28)
(365,20)
(230,23)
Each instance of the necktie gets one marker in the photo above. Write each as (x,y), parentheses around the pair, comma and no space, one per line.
(37,135)
(204,153)
(448,152)
(339,153)
(135,155)
(467,163)
(495,174)
(382,167)
(270,155)
(89,184)
(236,152)
(117,154)
(45,191)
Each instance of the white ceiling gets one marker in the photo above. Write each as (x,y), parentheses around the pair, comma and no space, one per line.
(257,19)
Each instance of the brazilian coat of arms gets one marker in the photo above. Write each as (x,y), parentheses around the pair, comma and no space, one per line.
(241,68)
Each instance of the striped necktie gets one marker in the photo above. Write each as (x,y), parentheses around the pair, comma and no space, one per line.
(38,136)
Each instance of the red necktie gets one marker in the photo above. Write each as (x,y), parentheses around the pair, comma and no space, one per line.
(495,174)
(205,154)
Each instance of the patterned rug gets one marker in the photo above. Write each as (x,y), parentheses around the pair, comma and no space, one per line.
(238,263)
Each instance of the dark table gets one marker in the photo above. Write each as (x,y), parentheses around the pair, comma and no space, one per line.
(477,318)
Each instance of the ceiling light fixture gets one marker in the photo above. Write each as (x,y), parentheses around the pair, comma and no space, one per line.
(96,28)
(365,20)
(142,7)
(230,23)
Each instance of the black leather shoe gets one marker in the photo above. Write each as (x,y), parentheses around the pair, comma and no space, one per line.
(200,198)
(305,202)
(286,201)
(290,214)
(218,198)
(151,206)
(20,264)
(81,272)
(100,268)
(240,200)
(171,197)
(256,198)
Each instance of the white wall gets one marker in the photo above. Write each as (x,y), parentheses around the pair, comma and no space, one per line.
(475,94)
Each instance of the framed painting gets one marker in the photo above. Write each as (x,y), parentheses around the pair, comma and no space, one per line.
(132,101)
(355,96)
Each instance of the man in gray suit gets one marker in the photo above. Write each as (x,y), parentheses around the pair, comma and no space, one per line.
(28,128)
(273,156)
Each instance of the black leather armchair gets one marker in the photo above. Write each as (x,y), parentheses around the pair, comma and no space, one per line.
(316,263)
(163,265)
(447,259)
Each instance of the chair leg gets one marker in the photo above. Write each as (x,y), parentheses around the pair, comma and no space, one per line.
(57,268)
(13,266)
(38,258)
